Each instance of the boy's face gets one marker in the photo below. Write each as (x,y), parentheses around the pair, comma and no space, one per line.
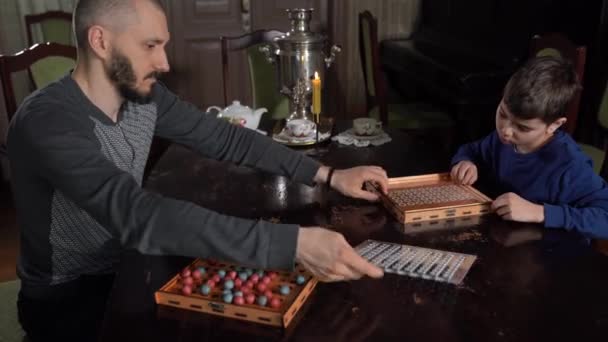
(525,135)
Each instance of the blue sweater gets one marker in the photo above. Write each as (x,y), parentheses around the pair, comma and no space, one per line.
(558,175)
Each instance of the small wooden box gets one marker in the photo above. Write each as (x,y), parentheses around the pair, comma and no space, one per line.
(431,197)
(171,294)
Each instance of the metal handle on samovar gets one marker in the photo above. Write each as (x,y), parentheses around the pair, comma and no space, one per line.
(332,55)
(269,50)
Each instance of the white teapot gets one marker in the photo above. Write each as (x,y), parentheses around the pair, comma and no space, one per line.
(239,114)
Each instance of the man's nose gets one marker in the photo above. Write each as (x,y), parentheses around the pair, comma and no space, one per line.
(162,64)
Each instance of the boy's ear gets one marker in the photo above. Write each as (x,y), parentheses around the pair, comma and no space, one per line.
(556,124)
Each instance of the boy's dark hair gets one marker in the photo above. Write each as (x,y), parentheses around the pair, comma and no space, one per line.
(542,89)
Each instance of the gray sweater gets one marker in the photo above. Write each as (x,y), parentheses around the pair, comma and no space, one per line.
(77,183)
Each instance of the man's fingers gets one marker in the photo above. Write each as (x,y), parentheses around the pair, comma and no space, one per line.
(501,211)
(359,265)
(366,195)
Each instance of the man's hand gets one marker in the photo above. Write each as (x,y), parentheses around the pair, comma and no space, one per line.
(512,207)
(350,181)
(464,172)
(328,256)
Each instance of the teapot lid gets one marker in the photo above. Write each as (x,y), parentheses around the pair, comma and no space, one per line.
(236,107)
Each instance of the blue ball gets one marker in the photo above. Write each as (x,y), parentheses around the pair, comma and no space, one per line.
(261,273)
(221,273)
(202,270)
(300,280)
(228,284)
(243,276)
(284,290)
(205,289)
(262,300)
(249,271)
(238,293)
(227,298)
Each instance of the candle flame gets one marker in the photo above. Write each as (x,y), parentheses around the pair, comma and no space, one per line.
(316,75)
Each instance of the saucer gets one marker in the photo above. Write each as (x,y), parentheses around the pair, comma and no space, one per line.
(290,140)
(351,132)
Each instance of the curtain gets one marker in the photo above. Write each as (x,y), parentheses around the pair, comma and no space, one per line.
(396,19)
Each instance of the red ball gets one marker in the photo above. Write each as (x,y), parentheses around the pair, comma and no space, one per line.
(273,275)
(187,290)
(186,272)
(238,282)
(268,294)
(266,280)
(275,302)
(250,298)
(196,274)
(232,275)
(245,290)
(238,300)
(188,281)
(211,283)
(254,278)
(216,278)
(249,284)
(261,287)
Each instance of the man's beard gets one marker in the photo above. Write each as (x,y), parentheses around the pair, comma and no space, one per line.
(121,73)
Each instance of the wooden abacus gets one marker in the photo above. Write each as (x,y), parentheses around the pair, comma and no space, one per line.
(171,294)
(431,197)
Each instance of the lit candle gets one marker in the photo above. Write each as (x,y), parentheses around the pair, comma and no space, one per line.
(316,95)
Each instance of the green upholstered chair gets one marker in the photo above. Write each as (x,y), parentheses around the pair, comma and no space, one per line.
(558,45)
(47,61)
(406,115)
(10,329)
(263,75)
(55,26)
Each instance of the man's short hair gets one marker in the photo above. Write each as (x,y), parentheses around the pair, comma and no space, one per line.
(91,12)
(542,89)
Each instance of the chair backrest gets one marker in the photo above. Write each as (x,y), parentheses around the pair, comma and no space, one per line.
(263,75)
(556,44)
(49,54)
(375,87)
(56,26)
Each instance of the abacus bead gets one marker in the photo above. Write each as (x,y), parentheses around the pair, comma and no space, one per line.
(254,278)
(227,298)
(221,273)
(300,280)
(186,272)
(187,289)
(262,300)
(196,274)
(250,298)
(187,281)
(275,302)
(261,287)
(210,283)
(228,284)
(232,275)
(202,270)
(266,280)
(268,294)
(205,289)
(216,278)
(238,282)
(249,271)
(238,300)
(243,276)
(273,275)
(261,273)
(284,290)
(238,293)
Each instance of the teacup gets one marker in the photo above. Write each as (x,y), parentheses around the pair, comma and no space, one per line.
(367,126)
(299,127)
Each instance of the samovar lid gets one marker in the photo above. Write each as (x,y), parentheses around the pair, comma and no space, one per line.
(300,29)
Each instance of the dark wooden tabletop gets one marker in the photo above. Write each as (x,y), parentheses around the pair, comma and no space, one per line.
(527,283)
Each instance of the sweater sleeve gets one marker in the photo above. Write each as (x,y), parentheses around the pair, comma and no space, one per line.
(583,204)
(183,123)
(479,152)
(64,152)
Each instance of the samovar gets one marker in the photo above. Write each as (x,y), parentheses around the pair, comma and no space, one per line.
(298,54)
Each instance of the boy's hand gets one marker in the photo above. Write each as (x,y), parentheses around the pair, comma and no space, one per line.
(464,172)
(512,207)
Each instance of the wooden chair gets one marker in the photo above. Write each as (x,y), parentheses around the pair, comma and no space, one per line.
(45,61)
(263,74)
(413,115)
(556,44)
(56,26)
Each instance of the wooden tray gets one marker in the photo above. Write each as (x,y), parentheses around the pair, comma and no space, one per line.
(431,197)
(171,294)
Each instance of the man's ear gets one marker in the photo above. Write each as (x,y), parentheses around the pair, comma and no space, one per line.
(556,124)
(98,41)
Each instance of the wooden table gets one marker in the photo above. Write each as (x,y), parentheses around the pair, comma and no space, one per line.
(527,283)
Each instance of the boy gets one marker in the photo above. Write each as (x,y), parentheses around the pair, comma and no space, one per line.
(540,172)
